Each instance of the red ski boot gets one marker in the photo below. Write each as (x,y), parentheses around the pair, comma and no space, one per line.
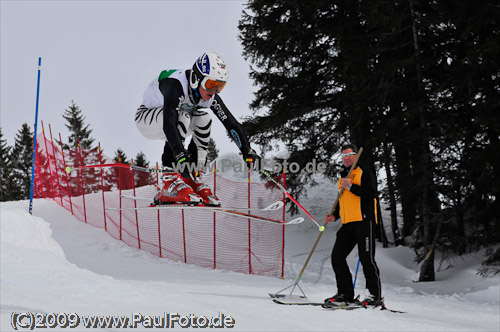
(175,190)
(209,199)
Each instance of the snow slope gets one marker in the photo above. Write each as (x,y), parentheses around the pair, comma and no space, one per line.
(52,263)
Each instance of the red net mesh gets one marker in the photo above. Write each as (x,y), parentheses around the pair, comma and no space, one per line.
(95,185)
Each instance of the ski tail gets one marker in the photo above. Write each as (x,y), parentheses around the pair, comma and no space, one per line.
(236,213)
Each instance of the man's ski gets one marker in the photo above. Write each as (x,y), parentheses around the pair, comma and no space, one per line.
(394,311)
(241,214)
(332,306)
(321,304)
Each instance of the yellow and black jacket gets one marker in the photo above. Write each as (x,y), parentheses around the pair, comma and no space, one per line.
(360,202)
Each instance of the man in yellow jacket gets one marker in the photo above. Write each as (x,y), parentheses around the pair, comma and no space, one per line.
(357,209)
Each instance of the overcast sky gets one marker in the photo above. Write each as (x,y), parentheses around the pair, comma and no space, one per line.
(103,54)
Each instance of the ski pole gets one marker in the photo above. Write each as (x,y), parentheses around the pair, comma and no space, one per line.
(136,168)
(34,139)
(356,275)
(322,228)
(263,171)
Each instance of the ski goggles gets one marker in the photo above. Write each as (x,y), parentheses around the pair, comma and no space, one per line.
(212,85)
(349,154)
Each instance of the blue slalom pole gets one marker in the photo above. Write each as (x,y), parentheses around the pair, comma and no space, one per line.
(34,138)
(356,275)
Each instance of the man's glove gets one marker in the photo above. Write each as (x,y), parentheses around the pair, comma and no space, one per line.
(183,162)
(252,159)
(344,172)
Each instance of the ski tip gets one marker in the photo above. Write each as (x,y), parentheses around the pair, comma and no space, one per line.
(289,297)
(285,296)
(274,206)
(295,221)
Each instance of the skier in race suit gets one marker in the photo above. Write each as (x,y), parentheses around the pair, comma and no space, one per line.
(172,110)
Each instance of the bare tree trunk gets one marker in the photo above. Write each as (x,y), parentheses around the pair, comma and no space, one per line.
(462,245)
(427,269)
(404,182)
(424,170)
(392,196)
(383,236)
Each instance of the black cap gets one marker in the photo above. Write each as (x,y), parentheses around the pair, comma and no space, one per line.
(353,147)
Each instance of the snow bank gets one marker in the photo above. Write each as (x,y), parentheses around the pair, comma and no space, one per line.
(51,262)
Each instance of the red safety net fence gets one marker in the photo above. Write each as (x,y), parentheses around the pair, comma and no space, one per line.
(90,185)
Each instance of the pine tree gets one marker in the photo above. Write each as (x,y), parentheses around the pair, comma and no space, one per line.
(122,176)
(120,157)
(213,152)
(21,161)
(309,75)
(419,77)
(140,160)
(468,97)
(5,170)
(77,128)
(85,153)
(142,178)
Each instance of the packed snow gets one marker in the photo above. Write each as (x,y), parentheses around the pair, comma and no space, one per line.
(53,263)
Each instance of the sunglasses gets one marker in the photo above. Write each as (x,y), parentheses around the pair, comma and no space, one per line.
(212,85)
(348,154)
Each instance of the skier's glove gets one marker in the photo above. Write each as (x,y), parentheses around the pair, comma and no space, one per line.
(252,159)
(183,162)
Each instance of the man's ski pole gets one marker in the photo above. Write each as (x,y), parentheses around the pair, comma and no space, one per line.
(356,275)
(321,230)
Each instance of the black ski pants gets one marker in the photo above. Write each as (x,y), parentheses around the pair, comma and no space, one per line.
(361,233)
(168,160)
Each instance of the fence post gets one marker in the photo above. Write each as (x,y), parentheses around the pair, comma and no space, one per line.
(249,230)
(184,236)
(215,230)
(38,170)
(120,191)
(55,165)
(135,205)
(159,230)
(37,176)
(49,164)
(81,180)
(67,175)
(283,233)
(102,188)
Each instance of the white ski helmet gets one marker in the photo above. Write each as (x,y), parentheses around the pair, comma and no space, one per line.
(210,72)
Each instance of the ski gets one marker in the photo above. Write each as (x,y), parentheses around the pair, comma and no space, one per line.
(283,296)
(392,310)
(271,207)
(136,198)
(332,306)
(321,304)
(295,221)
(241,214)
(275,300)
